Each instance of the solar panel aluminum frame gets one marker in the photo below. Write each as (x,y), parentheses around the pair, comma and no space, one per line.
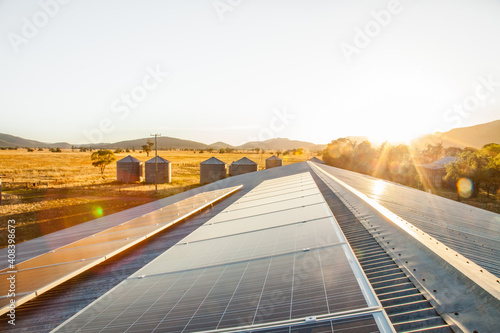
(380,317)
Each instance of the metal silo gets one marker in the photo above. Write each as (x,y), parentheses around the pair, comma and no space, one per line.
(242,166)
(212,170)
(129,170)
(273,162)
(164,170)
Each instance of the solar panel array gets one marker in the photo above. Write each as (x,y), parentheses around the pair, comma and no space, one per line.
(44,272)
(472,232)
(269,261)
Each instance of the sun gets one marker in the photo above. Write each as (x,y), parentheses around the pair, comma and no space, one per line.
(394,135)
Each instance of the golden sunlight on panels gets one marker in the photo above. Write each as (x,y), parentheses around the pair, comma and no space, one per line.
(44,272)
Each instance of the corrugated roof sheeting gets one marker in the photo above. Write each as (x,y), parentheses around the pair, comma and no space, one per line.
(465,294)
(473,232)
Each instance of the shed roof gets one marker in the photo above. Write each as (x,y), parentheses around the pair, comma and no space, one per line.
(128,159)
(213,160)
(316,160)
(439,164)
(244,161)
(160,160)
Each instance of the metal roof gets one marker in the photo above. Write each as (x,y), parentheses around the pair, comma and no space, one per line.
(244,161)
(316,160)
(160,160)
(439,164)
(414,248)
(273,158)
(212,160)
(129,159)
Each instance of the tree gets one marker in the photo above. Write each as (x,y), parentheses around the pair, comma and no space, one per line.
(364,157)
(339,153)
(492,179)
(147,149)
(472,165)
(433,152)
(452,151)
(101,158)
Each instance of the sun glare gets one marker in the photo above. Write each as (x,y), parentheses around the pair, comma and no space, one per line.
(378,187)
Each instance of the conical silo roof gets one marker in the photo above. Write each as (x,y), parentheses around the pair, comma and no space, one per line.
(244,161)
(160,160)
(128,159)
(212,160)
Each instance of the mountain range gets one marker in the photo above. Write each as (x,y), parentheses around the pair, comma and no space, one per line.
(7,140)
(473,136)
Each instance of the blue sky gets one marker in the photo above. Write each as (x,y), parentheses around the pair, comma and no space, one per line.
(236,71)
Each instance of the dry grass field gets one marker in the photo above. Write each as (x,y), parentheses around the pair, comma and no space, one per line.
(47,191)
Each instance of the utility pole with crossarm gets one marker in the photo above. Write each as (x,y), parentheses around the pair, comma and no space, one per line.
(156,160)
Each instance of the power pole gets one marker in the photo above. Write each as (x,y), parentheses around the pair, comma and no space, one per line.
(156,160)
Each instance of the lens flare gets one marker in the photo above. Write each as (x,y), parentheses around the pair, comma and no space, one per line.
(465,187)
(98,212)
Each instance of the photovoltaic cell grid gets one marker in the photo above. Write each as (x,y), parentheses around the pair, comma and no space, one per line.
(44,272)
(276,254)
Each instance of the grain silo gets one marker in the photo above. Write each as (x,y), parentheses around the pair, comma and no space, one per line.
(212,170)
(242,166)
(129,170)
(164,170)
(273,162)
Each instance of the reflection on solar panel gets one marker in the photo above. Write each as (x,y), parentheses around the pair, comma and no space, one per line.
(44,272)
(268,261)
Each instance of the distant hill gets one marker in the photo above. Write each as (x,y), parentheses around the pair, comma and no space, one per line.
(163,142)
(281,143)
(473,136)
(7,140)
(220,144)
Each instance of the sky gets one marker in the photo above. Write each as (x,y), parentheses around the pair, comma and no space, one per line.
(244,70)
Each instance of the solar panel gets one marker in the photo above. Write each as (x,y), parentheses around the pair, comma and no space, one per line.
(254,263)
(43,272)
